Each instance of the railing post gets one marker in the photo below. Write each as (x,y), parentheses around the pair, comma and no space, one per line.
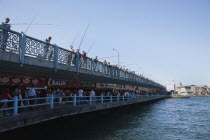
(15,104)
(52,101)
(92,66)
(55,56)
(118,73)
(91,99)
(110,98)
(112,73)
(103,69)
(22,48)
(75,100)
(102,99)
(77,62)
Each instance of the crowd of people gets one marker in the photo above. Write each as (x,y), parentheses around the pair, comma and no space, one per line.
(60,96)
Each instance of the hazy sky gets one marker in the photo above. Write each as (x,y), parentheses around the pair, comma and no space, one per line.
(163,39)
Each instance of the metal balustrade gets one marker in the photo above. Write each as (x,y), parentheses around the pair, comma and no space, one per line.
(10,40)
(24,45)
(66,57)
(39,49)
(85,63)
(99,66)
(51,101)
(107,69)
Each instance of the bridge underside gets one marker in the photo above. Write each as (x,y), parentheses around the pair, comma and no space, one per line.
(10,65)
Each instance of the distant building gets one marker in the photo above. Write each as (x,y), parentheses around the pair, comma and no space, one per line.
(208,90)
(186,90)
(193,90)
(202,90)
(170,86)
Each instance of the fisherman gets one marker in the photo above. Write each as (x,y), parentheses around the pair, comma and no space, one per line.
(71,48)
(71,56)
(77,51)
(4,35)
(84,53)
(96,58)
(46,47)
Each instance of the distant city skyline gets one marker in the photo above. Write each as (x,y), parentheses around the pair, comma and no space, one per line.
(161,39)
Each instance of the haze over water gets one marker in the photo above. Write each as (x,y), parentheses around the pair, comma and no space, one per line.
(184,119)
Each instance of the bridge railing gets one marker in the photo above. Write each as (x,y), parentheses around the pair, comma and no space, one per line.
(85,62)
(52,101)
(108,69)
(99,66)
(66,57)
(10,40)
(25,45)
(39,49)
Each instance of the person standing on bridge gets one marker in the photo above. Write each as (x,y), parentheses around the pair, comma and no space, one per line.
(32,94)
(80,92)
(16,92)
(71,56)
(46,47)
(5,96)
(4,35)
(71,48)
(92,93)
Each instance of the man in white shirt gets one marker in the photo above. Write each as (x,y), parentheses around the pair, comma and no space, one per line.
(71,48)
(80,95)
(125,94)
(31,94)
(92,93)
(80,92)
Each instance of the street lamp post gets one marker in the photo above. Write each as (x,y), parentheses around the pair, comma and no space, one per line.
(118,57)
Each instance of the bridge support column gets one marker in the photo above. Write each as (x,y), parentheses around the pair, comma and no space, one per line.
(104,70)
(55,57)
(112,73)
(91,99)
(77,62)
(22,48)
(92,66)
(102,99)
(75,100)
(15,104)
(52,101)
(110,98)
(118,73)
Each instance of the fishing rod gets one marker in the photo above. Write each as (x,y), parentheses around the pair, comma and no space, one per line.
(30,24)
(83,36)
(74,39)
(91,47)
(107,57)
